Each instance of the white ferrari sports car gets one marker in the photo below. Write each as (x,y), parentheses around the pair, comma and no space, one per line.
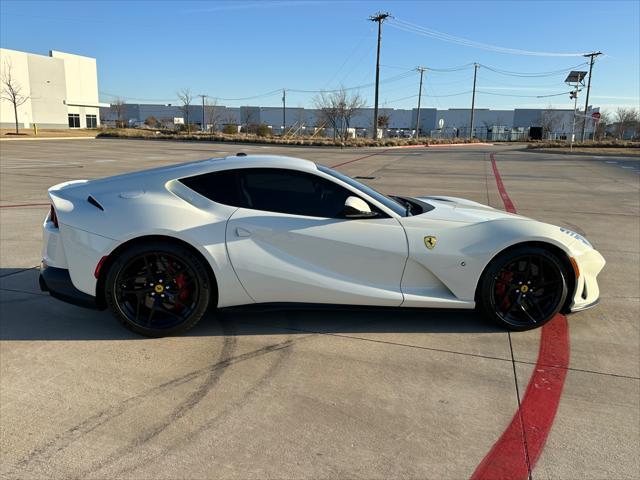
(159,247)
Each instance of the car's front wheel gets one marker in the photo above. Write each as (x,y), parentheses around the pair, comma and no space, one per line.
(523,288)
(158,289)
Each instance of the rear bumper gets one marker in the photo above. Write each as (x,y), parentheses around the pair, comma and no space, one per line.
(57,282)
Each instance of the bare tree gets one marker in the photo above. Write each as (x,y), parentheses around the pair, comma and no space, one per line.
(151,121)
(601,125)
(249,120)
(212,114)
(624,119)
(12,90)
(328,111)
(383,120)
(118,108)
(549,120)
(337,108)
(186,98)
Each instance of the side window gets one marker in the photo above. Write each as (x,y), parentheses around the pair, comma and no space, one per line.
(92,121)
(292,192)
(74,120)
(221,187)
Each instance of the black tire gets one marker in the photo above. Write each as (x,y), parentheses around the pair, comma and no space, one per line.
(158,288)
(523,288)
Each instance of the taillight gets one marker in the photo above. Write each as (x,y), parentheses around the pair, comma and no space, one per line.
(53,217)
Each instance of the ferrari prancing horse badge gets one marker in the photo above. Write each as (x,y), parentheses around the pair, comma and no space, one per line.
(430,241)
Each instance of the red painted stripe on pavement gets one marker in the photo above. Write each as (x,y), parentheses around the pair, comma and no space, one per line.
(23,205)
(470,144)
(518,449)
(508,204)
(359,158)
(422,145)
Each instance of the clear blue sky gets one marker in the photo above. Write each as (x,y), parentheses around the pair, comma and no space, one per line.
(146,51)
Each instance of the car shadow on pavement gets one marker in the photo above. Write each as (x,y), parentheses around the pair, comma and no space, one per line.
(26,313)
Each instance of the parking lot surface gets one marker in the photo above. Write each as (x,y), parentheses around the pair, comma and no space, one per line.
(258,392)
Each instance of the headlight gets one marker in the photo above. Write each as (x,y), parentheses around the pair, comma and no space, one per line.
(577,236)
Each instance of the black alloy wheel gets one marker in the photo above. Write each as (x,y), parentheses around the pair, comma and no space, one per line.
(524,288)
(158,290)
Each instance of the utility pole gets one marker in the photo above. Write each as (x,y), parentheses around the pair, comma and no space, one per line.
(421,70)
(592,57)
(378,17)
(473,98)
(284,111)
(574,95)
(203,128)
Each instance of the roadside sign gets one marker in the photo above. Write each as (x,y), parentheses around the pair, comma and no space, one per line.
(595,116)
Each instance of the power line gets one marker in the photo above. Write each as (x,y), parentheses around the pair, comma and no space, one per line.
(533,74)
(137,98)
(396,100)
(271,93)
(445,37)
(522,96)
(261,95)
(356,87)
(495,69)
(451,69)
(357,46)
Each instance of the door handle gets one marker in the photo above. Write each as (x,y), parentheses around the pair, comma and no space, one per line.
(243,232)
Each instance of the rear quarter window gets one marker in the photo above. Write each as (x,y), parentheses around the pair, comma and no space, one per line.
(221,187)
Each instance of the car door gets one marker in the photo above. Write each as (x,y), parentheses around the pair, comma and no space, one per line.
(290,244)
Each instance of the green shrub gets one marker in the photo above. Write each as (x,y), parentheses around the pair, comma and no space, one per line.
(263,130)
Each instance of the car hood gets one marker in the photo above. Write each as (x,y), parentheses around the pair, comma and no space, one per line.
(455,209)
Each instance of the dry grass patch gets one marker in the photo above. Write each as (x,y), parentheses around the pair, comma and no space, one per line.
(302,141)
(47,133)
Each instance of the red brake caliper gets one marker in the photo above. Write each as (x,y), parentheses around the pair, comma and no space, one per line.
(504,280)
(182,283)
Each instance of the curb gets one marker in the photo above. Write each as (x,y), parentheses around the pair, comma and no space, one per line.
(26,139)
(583,154)
(477,144)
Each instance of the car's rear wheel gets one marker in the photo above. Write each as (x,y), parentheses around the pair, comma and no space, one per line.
(158,289)
(523,288)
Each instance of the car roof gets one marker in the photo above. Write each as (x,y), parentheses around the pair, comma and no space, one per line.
(160,175)
(262,161)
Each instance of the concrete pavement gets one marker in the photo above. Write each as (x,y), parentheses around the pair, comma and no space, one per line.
(306,393)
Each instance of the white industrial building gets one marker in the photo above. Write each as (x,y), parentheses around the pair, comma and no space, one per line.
(495,125)
(61,90)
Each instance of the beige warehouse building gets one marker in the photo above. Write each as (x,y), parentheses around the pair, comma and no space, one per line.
(61,90)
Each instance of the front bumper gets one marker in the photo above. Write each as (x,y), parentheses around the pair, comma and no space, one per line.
(57,282)
(587,292)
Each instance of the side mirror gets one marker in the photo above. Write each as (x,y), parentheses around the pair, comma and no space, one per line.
(355,207)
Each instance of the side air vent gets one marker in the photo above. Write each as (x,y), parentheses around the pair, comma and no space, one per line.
(95,203)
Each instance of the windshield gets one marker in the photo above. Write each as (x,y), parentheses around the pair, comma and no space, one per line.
(388,202)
